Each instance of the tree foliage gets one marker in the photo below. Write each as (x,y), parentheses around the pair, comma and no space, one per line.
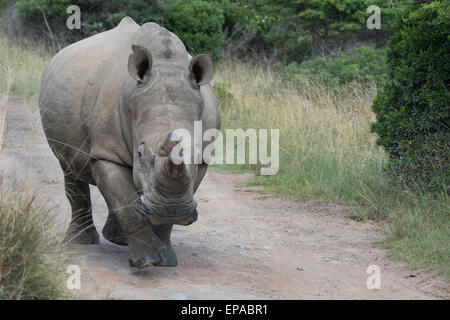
(297,29)
(413,110)
(288,30)
(327,38)
(363,64)
(199,25)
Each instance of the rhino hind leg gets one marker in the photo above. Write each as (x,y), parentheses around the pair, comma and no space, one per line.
(81,228)
(163,232)
(112,231)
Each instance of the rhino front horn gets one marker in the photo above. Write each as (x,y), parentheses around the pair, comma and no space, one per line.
(169,144)
(176,156)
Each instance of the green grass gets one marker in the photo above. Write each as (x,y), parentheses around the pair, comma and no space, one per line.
(419,232)
(31,262)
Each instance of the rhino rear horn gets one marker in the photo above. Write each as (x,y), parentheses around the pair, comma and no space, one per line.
(139,62)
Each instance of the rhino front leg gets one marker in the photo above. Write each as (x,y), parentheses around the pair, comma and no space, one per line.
(115,183)
(163,232)
(112,231)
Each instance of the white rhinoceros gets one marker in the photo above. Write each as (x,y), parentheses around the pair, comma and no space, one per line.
(109,106)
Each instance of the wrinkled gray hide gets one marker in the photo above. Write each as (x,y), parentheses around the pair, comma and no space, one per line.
(109,105)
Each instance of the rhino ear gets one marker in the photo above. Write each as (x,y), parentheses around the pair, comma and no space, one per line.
(139,62)
(201,67)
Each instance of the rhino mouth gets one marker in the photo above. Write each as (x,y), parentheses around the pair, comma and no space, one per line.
(182,213)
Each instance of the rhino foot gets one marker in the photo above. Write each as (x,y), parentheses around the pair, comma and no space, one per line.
(113,232)
(145,250)
(147,259)
(163,232)
(170,260)
(82,236)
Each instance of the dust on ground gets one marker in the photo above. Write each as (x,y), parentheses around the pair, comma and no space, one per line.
(241,247)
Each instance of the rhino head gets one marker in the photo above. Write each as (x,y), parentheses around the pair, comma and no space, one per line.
(165,97)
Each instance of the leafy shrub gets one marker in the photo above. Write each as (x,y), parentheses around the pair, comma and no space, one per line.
(199,25)
(413,110)
(365,64)
(288,30)
(3,4)
(294,30)
(31,9)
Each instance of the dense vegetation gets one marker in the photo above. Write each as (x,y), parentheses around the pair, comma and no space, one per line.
(312,69)
(413,109)
(364,65)
(288,30)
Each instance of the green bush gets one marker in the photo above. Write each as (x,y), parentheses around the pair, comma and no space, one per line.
(364,64)
(31,9)
(413,110)
(199,25)
(3,4)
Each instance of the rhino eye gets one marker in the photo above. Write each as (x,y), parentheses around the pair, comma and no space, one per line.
(140,151)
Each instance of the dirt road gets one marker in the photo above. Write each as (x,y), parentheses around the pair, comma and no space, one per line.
(241,247)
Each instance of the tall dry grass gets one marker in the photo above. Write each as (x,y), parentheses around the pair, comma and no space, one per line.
(21,67)
(329,154)
(5,72)
(327,150)
(3,108)
(31,259)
